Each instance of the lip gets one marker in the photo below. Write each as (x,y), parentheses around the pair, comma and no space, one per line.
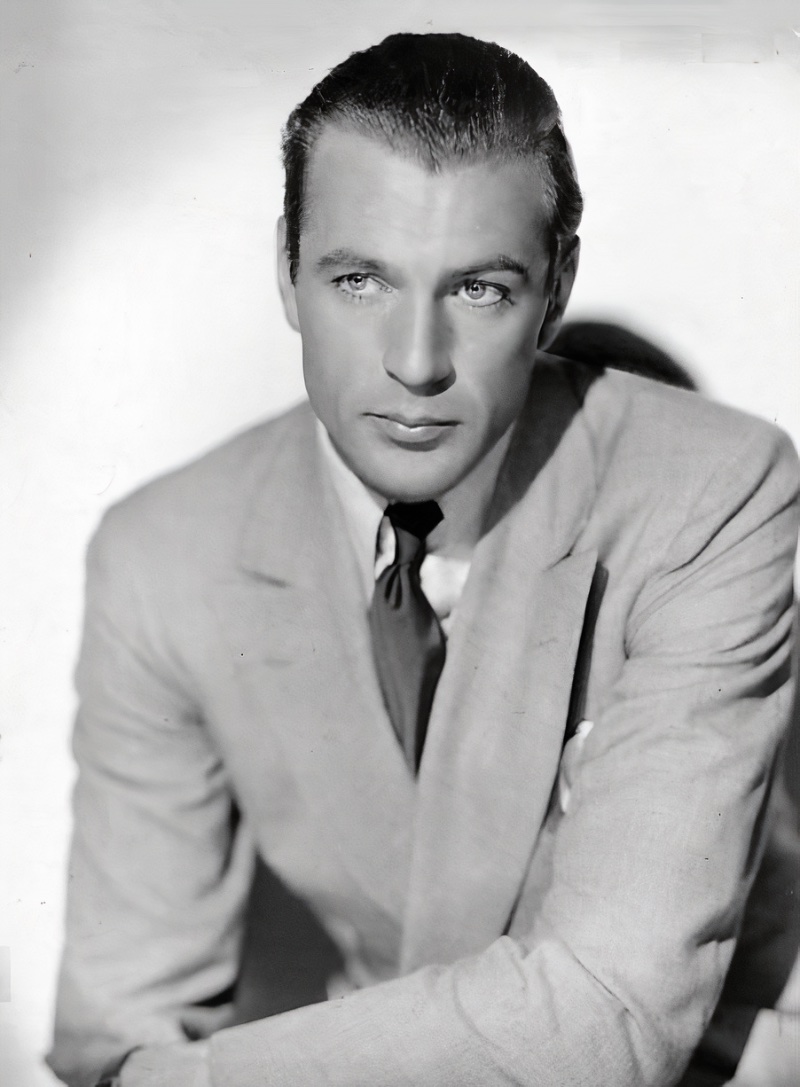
(412,422)
(421,431)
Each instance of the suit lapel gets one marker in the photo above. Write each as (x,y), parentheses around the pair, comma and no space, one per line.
(298,612)
(497,725)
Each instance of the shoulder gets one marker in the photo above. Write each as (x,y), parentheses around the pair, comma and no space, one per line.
(671,476)
(662,419)
(199,506)
(677,445)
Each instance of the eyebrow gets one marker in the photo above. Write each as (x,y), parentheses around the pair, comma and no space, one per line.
(499,263)
(337,257)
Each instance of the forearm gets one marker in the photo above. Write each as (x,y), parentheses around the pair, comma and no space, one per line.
(499,1018)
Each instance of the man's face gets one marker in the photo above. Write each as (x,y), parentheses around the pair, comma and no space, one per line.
(420,299)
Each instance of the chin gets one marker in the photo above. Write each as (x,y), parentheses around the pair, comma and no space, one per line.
(409,492)
(414,485)
(399,475)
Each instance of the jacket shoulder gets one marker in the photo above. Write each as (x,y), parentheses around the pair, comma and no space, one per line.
(205,497)
(680,438)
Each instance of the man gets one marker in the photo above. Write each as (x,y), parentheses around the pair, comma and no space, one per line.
(484,653)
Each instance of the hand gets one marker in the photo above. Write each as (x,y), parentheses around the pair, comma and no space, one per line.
(182,1064)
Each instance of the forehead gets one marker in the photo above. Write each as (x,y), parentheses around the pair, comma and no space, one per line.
(360,193)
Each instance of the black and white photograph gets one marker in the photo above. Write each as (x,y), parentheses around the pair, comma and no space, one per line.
(399,500)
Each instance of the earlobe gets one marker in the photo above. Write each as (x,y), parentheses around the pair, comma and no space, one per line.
(563,281)
(284,276)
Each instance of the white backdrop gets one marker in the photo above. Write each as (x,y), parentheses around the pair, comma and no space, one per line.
(139,320)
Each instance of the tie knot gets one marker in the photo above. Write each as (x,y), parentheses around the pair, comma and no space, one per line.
(412,522)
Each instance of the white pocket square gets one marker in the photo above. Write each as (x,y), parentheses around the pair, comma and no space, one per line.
(569,763)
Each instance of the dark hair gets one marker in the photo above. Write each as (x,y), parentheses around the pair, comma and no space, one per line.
(439,97)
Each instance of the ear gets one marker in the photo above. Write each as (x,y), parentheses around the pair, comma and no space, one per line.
(563,280)
(284,277)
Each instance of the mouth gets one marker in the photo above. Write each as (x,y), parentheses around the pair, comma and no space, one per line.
(419,431)
(412,422)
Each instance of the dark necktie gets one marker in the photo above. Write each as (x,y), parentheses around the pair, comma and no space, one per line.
(407,638)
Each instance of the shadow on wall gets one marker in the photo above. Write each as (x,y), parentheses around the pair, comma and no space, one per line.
(602,344)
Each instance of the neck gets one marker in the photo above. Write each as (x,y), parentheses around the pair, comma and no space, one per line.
(466,505)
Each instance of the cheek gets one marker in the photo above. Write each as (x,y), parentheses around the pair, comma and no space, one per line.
(509,333)
(505,393)
(322,342)
(335,335)
(497,364)
(338,365)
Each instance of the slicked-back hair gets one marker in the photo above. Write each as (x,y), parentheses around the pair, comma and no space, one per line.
(441,99)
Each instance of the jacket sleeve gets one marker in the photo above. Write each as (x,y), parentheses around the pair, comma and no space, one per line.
(158,871)
(621,969)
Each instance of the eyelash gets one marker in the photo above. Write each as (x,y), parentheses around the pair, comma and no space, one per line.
(505,294)
(354,296)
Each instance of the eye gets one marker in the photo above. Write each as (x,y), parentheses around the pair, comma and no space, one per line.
(356,285)
(480,295)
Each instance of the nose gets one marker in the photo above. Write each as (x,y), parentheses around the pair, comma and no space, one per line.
(417,352)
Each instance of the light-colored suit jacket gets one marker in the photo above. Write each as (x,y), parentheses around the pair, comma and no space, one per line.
(524,912)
